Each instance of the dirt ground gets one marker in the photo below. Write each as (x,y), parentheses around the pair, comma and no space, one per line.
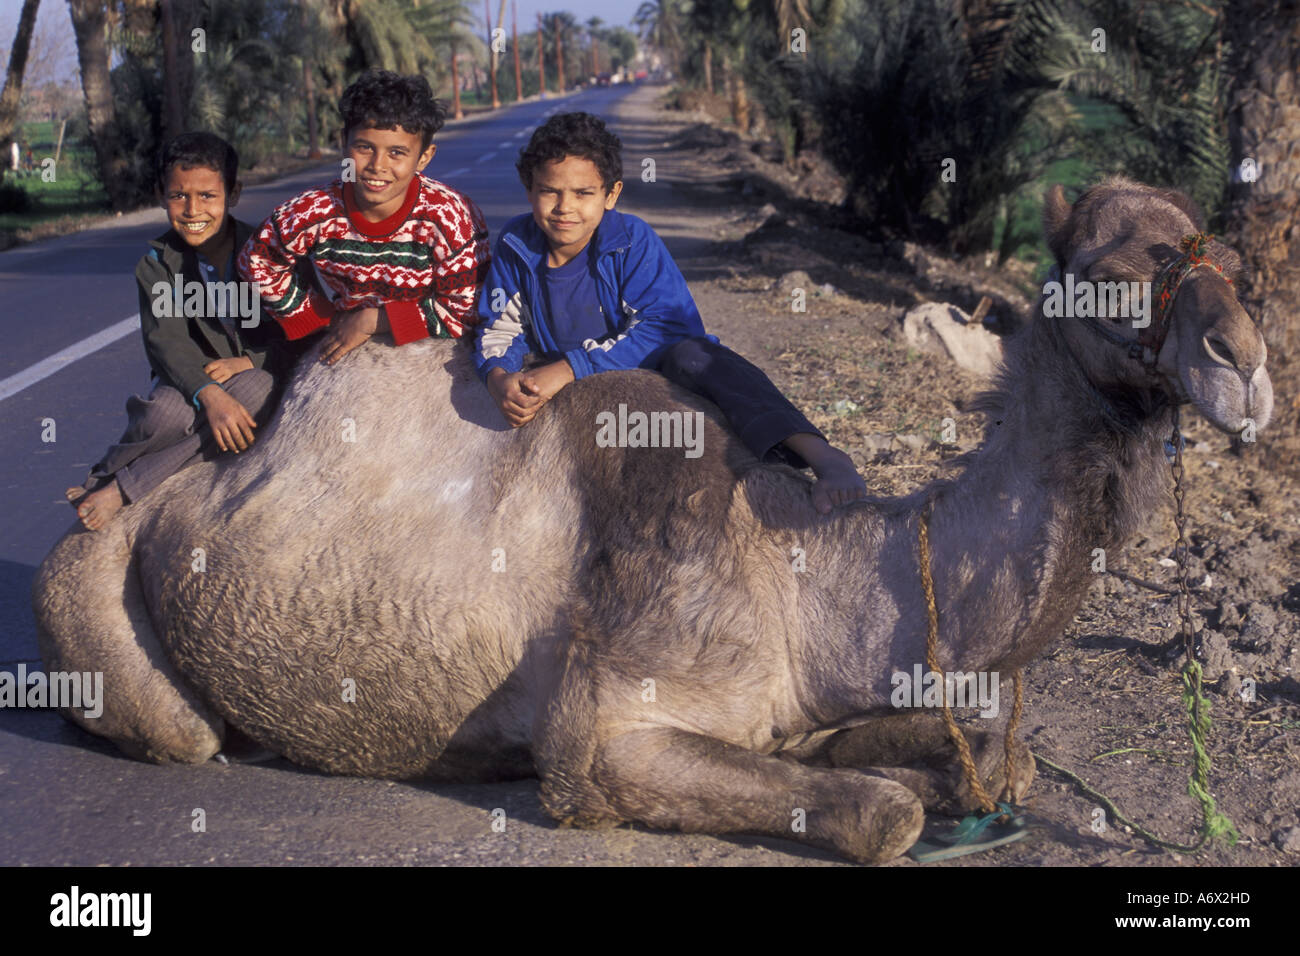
(1105,702)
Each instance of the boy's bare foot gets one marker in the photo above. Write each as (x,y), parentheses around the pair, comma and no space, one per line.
(96,508)
(838,482)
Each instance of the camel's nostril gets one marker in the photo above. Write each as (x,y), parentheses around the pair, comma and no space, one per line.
(1219,350)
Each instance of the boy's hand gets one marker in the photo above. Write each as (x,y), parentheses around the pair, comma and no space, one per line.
(546,381)
(516,405)
(222,370)
(230,421)
(350,329)
(521,395)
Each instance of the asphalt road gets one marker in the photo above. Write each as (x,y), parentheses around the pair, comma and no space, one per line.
(69,798)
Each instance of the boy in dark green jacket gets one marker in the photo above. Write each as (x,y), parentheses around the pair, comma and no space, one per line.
(215,361)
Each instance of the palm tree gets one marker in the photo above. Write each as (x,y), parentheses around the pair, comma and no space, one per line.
(90,26)
(446,25)
(14,77)
(659,23)
(380,34)
(1264,201)
(593,31)
(558,29)
(173,118)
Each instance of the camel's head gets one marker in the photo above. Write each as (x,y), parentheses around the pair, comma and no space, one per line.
(1116,248)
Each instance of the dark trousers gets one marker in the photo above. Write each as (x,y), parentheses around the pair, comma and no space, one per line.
(165,433)
(756,409)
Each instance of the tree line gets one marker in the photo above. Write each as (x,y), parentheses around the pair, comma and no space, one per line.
(268,74)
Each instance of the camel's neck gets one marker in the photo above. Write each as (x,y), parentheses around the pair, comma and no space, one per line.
(1067,472)
(1014,540)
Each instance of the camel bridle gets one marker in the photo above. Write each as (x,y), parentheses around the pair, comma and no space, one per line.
(1193,254)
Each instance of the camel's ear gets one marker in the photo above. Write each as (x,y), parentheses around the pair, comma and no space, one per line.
(1056,214)
(1187,206)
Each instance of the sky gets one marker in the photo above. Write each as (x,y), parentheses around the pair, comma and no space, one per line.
(54,14)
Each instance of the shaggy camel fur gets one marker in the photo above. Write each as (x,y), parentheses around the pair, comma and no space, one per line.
(633,625)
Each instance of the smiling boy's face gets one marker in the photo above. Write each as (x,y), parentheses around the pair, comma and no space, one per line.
(386,162)
(569,200)
(198,205)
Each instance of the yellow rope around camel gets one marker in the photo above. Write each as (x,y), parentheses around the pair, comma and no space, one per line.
(1213,823)
(932,661)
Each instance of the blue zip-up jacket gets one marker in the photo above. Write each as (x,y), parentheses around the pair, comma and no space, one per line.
(636,279)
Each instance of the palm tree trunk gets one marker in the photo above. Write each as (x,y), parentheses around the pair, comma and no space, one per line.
(313,128)
(708,67)
(514,49)
(456,111)
(541,58)
(90,25)
(173,121)
(1264,134)
(13,90)
(738,94)
(559,58)
(492,56)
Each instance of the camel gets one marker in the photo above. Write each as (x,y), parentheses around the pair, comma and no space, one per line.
(395,584)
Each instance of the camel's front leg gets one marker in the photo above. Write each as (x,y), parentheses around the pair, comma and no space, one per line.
(914,749)
(676,780)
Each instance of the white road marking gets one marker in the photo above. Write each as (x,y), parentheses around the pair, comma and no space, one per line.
(525,131)
(504,145)
(63,358)
(485,158)
(457,172)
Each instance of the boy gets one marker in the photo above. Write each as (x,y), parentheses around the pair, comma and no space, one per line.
(590,290)
(393,250)
(214,369)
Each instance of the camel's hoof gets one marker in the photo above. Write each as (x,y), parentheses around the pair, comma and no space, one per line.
(880,825)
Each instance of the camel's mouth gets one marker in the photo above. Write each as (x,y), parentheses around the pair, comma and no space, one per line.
(1230,401)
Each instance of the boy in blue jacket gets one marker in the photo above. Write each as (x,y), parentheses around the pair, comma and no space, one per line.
(589,289)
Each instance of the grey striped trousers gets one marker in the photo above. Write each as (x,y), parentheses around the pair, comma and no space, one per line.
(165,433)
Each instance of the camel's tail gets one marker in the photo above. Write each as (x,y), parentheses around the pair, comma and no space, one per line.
(91,618)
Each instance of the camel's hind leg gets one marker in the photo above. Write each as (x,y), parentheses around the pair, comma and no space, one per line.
(91,617)
(914,749)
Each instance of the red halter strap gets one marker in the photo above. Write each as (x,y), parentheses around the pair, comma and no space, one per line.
(1194,254)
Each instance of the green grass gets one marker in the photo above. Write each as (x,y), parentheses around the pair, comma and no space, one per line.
(1026,210)
(75,190)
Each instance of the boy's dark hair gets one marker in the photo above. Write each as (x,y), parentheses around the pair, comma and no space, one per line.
(573,134)
(386,100)
(207,150)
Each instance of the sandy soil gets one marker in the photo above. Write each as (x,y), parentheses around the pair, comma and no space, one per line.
(1106,701)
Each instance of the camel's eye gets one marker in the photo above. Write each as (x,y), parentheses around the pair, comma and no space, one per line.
(1116,297)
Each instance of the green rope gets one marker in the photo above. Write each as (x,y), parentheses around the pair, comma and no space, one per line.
(1214,824)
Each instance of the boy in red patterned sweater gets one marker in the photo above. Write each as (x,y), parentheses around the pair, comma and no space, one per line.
(393,250)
